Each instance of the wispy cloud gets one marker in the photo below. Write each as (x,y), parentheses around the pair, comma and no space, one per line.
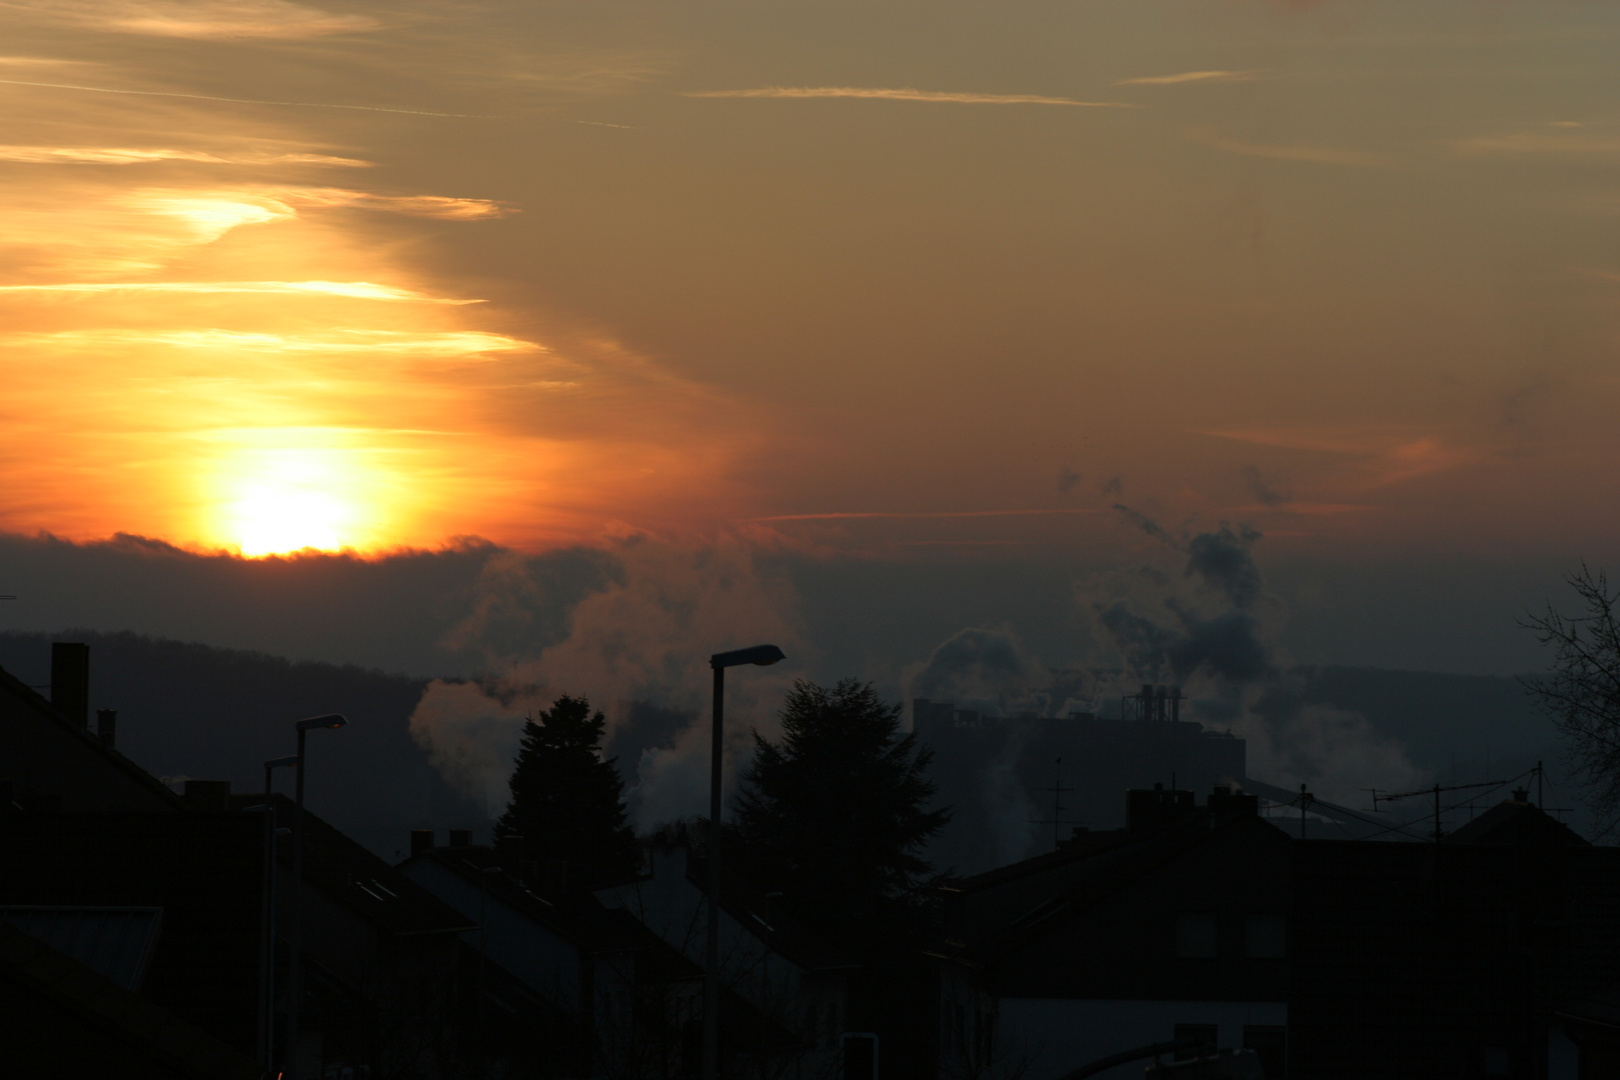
(125,155)
(439,345)
(192,18)
(79,233)
(1561,143)
(350,290)
(1312,154)
(236,100)
(906,94)
(1386,457)
(1193,77)
(428,206)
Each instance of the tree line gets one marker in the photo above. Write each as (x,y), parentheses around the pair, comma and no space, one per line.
(835,815)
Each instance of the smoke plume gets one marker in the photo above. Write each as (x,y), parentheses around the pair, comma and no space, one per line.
(641,621)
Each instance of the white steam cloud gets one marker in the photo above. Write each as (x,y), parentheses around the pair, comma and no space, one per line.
(644,634)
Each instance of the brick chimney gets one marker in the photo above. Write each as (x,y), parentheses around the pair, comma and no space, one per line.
(422,842)
(460,838)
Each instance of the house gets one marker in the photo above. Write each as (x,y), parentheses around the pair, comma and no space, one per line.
(82,827)
(1201,928)
(1171,928)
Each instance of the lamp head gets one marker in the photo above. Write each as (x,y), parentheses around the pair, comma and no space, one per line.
(763,655)
(330,720)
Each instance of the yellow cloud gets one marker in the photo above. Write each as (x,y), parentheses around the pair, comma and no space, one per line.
(442,345)
(354,290)
(122,155)
(193,19)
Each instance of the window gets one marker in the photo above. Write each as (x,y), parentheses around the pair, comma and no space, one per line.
(1271,1045)
(1265,937)
(1206,1037)
(1195,936)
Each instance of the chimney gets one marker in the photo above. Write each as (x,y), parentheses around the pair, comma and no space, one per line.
(1227,805)
(70,681)
(212,796)
(1521,795)
(421,842)
(107,726)
(509,854)
(1150,809)
(460,838)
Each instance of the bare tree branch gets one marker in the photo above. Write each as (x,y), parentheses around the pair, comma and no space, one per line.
(1581,689)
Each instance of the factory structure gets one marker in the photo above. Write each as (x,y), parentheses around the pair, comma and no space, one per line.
(1019,784)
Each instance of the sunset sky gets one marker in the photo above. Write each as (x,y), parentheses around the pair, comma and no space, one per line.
(845,280)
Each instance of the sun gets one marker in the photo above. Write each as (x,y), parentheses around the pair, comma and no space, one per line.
(270,500)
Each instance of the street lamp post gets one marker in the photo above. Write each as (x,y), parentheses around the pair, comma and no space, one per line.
(762,655)
(295,976)
(267,924)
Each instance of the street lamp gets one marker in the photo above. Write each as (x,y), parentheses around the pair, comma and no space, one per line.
(295,978)
(267,923)
(764,656)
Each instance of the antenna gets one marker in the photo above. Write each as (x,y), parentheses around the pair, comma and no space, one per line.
(1435,793)
(1057,789)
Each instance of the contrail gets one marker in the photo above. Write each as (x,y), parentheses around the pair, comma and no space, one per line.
(240,101)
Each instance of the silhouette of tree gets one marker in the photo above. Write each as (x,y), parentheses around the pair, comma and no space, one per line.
(1581,691)
(568,803)
(836,814)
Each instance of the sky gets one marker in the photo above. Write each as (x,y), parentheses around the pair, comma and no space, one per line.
(554,329)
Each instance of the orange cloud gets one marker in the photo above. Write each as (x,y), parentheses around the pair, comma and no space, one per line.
(111,155)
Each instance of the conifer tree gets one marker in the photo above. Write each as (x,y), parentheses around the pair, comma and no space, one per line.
(567,802)
(836,815)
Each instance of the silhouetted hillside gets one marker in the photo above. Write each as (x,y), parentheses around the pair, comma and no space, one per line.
(187,710)
(190,710)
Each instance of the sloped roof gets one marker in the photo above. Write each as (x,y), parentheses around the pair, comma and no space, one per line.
(361,881)
(36,702)
(1074,880)
(777,929)
(1510,821)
